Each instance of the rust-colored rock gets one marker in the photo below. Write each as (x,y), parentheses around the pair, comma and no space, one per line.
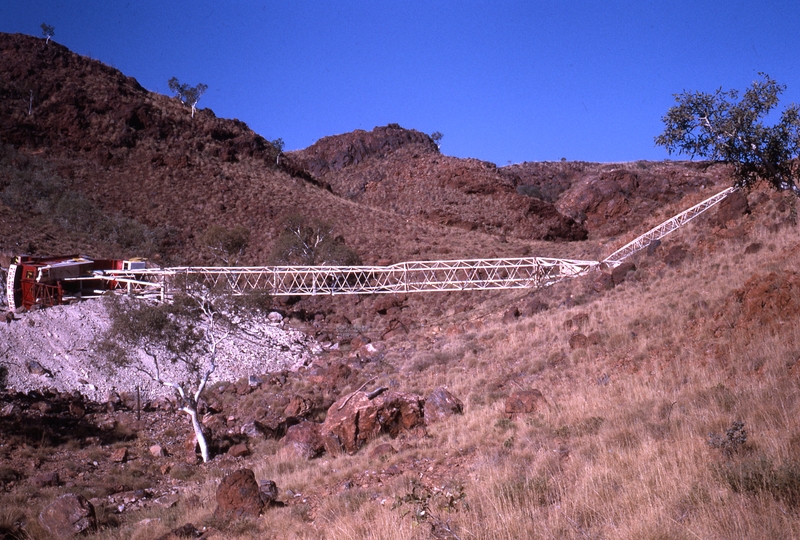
(441,404)
(331,376)
(298,407)
(191,450)
(238,496)
(305,439)
(732,208)
(239,450)
(766,301)
(68,516)
(524,402)
(355,419)
(620,272)
(603,282)
(119,455)
(578,341)
(381,450)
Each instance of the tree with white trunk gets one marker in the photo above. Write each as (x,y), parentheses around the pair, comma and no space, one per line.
(184,334)
(47,32)
(189,95)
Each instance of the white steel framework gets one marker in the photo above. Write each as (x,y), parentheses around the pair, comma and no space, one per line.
(656,233)
(415,276)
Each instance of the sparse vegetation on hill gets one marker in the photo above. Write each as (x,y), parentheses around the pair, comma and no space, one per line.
(656,402)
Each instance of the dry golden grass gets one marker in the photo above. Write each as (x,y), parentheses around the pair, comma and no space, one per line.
(621,449)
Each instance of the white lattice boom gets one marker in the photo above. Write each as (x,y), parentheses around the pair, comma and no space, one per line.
(407,277)
(417,276)
(656,233)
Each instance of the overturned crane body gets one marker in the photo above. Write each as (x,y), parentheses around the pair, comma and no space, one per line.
(49,281)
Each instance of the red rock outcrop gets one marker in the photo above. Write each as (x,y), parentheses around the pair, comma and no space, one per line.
(356,419)
(238,496)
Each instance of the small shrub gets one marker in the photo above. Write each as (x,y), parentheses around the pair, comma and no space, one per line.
(735,437)
(529,190)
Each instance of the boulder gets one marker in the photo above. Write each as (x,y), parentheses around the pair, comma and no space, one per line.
(603,282)
(120,455)
(68,516)
(268,491)
(441,404)
(382,450)
(523,402)
(298,407)
(239,450)
(331,376)
(578,341)
(732,208)
(305,439)
(35,368)
(252,429)
(355,419)
(238,496)
(619,273)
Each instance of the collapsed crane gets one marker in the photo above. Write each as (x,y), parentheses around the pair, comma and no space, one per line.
(49,281)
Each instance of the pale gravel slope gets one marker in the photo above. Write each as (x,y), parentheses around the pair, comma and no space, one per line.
(61,339)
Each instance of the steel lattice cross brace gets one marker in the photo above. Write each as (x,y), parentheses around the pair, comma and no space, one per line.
(416,276)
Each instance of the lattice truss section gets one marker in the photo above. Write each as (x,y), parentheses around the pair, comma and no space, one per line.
(656,233)
(417,276)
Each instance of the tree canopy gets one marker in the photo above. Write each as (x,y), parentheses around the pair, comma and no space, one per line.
(311,242)
(722,127)
(187,330)
(48,31)
(227,245)
(189,95)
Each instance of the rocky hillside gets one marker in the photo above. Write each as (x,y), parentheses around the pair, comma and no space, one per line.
(611,199)
(163,177)
(97,135)
(402,171)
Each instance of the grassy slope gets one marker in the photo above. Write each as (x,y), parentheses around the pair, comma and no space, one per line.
(621,448)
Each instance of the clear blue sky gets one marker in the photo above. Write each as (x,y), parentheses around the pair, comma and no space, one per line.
(504,81)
